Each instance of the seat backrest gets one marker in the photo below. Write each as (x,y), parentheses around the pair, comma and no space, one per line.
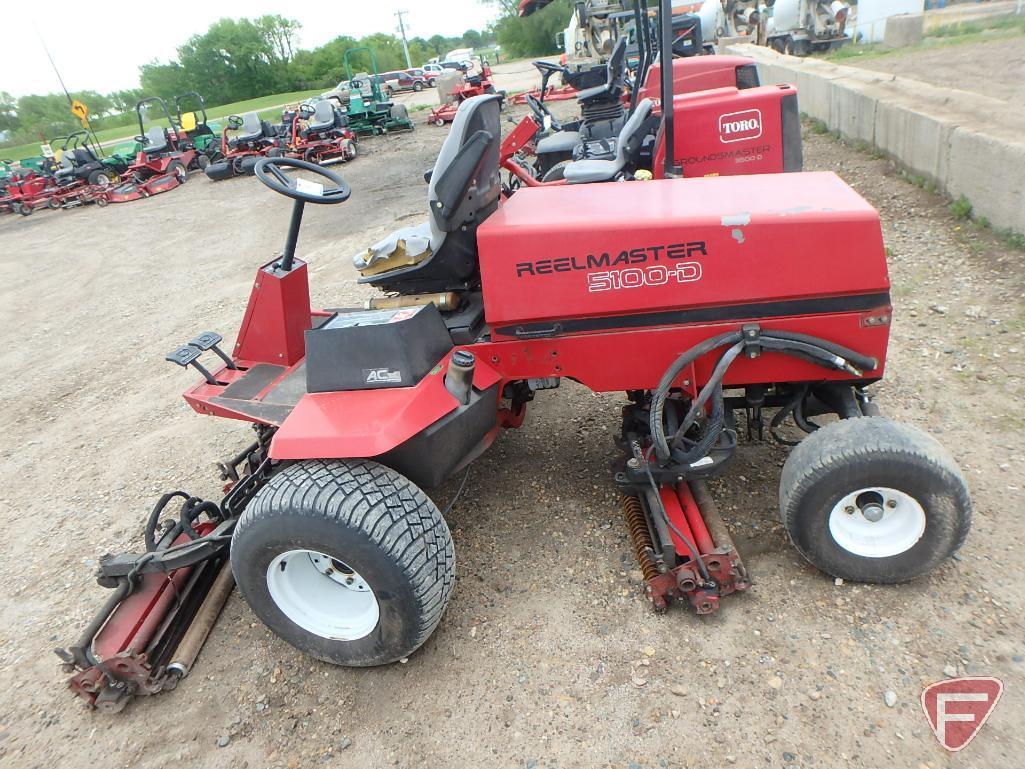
(616,69)
(631,127)
(251,124)
(157,139)
(467,163)
(323,114)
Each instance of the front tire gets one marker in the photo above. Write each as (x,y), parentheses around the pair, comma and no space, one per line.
(870,500)
(331,521)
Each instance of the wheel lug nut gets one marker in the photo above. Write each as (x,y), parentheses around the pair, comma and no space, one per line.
(891,503)
(849,509)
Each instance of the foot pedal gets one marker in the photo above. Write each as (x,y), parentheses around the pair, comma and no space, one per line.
(186,356)
(209,340)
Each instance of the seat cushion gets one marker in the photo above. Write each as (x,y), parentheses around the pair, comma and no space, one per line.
(402,248)
(560,141)
(587,171)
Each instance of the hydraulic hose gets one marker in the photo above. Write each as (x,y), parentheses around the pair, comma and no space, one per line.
(817,351)
(863,362)
(658,397)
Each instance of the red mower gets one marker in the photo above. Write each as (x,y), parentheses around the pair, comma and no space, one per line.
(724,124)
(708,302)
(317,133)
(244,140)
(479,84)
(161,163)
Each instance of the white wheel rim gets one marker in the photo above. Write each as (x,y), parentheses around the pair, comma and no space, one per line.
(877,522)
(322,595)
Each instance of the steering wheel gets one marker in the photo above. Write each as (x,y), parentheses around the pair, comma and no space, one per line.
(542,113)
(269,171)
(143,140)
(307,111)
(234,122)
(547,66)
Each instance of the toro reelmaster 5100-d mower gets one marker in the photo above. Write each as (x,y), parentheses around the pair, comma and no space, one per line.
(698,298)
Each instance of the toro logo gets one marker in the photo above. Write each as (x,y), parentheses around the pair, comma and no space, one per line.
(958,708)
(740,126)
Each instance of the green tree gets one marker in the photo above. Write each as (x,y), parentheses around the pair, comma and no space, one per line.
(8,112)
(472,39)
(438,45)
(281,33)
(532,35)
(164,80)
(125,101)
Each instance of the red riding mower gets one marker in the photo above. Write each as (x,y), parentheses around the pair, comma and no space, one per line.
(479,84)
(161,163)
(244,140)
(706,301)
(725,124)
(317,133)
(75,175)
(25,190)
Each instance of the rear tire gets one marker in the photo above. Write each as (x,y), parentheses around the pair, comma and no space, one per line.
(418,86)
(202,162)
(177,168)
(557,172)
(100,178)
(870,500)
(373,526)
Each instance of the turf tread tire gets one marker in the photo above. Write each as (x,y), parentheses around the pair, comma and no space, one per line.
(838,449)
(386,508)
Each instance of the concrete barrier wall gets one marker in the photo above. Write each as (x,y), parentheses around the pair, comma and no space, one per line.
(966,143)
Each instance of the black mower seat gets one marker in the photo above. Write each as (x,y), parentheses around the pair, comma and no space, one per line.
(588,171)
(156,140)
(614,77)
(324,117)
(464,189)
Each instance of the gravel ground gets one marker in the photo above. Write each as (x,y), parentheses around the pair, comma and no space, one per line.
(548,655)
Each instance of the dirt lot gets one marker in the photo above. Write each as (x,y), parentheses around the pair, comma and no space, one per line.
(994,68)
(548,656)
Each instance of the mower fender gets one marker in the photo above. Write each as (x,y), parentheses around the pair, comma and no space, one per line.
(421,431)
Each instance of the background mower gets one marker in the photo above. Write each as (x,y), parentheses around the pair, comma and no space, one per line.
(477,84)
(369,111)
(317,133)
(162,161)
(244,140)
(194,131)
(706,301)
(724,124)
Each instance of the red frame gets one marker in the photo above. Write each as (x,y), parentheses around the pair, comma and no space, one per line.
(795,238)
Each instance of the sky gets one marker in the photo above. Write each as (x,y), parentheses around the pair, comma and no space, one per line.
(110,60)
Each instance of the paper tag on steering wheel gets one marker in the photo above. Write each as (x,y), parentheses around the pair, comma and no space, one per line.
(309,188)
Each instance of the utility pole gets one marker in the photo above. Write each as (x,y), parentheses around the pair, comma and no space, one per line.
(405,43)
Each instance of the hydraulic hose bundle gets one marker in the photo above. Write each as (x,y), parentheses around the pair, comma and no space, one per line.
(818,351)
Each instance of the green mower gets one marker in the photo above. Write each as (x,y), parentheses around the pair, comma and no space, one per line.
(369,110)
